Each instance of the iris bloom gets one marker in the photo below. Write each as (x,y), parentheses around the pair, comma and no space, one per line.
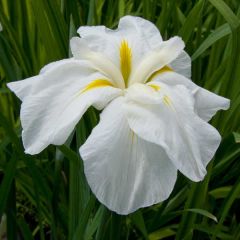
(154,118)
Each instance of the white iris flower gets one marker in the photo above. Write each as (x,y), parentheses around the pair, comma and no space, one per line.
(154,118)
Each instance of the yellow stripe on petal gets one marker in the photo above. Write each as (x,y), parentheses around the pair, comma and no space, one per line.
(167,101)
(133,138)
(98,83)
(154,86)
(125,60)
(162,70)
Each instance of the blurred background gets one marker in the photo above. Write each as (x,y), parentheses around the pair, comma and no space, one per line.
(46,196)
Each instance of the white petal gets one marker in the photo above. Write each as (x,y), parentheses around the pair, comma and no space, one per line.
(60,63)
(100,62)
(206,103)
(53,103)
(101,39)
(189,141)
(182,64)
(142,93)
(146,30)
(87,31)
(23,88)
(141,35)
(124,171)
(33,85)
(155,60)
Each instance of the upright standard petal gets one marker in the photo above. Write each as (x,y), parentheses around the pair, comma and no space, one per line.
(157,59)
(124,171)
(54,101)
(146,30)
(98,61)
(128,25)
(140,35)
(132,28)
(189,142)
(206,103)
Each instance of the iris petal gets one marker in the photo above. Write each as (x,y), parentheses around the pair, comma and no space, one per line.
(206,103)
(157,59)
(98,61)
(141,35)
(182,64)
(189,141)
(124,171)
(53,103)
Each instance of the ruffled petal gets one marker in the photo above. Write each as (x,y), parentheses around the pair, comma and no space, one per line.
(182,64)
(98,61)
(139,35)
(47,76)
(54,101)
(145,29)
(124,171)
(102,39)
(157,59)
(170,121)
(206,103)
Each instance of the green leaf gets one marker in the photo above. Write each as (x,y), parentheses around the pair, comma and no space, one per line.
(212,230)
(70,154)
(162,234)
(190,23)
(202,212)
(236,137)
(232,196)
(11,213)
(6,183)
(216,35)
(138,221)
(227,13)
(82,225)
(24,228)
(94,224)
(221,192)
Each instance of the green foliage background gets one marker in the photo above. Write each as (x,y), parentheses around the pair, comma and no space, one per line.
(46,196)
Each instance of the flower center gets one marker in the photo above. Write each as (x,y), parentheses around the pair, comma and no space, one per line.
(125,53)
